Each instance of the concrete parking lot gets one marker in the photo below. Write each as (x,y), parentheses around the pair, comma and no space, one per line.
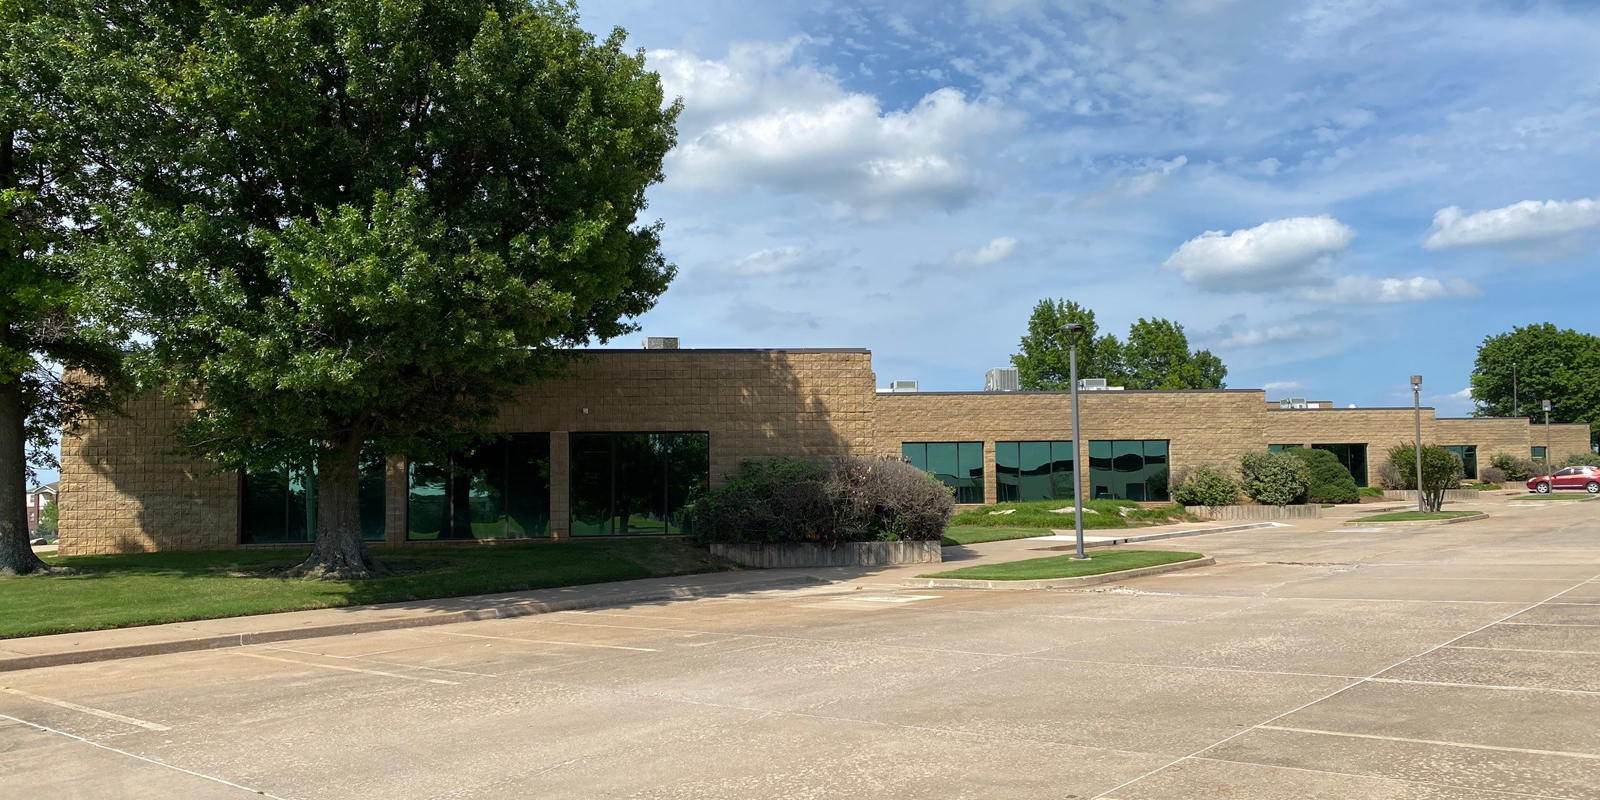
(1459,661)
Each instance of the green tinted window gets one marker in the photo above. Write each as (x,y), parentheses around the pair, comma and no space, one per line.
(1032,471)
(1468,453)
(636,483)
(279,505)
(1352,456)
(497,490)
(1538,452)
(1007,471)
(958,465)
(1129,469)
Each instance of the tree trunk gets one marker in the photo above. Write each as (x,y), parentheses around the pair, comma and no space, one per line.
(339,552)
(16,555)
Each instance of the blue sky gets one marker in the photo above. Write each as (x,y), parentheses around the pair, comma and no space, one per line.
(1332,195)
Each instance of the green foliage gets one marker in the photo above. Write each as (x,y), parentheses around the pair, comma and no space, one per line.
(1441,470)
(49,520)
(1205,485)
(1042,363)
(1066,566)
(1561,365)
(1157,356)
(850,499)
(1582,460)
(1370,491)
(1056,514)
(1275,479)
(1516,468)
(1330,481)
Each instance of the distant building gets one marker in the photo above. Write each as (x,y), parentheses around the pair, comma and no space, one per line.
(39,497)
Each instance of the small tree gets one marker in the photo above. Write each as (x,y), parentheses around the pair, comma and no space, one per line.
(1441,470)
(1206,485)
(1275,479)
(1514,467)
(1590,459)
(1330,480)
(49,520)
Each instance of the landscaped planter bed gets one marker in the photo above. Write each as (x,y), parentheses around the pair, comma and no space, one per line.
(845,554)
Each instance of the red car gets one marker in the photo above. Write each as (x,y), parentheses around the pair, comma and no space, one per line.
(1585,478)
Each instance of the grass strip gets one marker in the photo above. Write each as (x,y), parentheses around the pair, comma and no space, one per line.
(1418,516)
(1065,566)
(1048,514)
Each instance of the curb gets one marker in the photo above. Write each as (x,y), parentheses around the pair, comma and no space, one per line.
(1155,537)
(1522,498)
(1056,583)
(506,611)
(1423,523)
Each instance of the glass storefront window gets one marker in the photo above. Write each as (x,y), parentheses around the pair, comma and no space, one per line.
(1468,453)
(1030,471)
(1278,448)
(1538,452)
(958,465)
(1352,456)
(497,490)
(636,483)
(1129,469)
(280,505)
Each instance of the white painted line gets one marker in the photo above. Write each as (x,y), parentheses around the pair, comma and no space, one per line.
(1496,748)
(340,668)
(1526,650)
(903,598)
(385,663)
(91,743)
(1385,778)
(139,723)
(1493,686)
(550,641)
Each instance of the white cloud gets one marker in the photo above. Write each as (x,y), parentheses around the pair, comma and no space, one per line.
(759,118)
(1273,335)
(997,250)
(1365,289)
(1272,255)
(1129,187)
(1529,221)
(1284,386)
(772,261)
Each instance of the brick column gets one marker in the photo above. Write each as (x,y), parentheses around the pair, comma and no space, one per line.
(991,486)
(560,513)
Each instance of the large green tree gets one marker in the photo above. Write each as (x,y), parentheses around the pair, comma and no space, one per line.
(1042,363)
(1550,363)
(364,222)
(44,327)
(1157,356)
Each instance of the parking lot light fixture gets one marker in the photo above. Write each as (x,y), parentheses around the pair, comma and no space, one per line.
(1416,406)
(1073,330)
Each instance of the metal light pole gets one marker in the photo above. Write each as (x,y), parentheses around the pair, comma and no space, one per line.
(1416,405)
(1547,453)
(1073,330)
(1516,407)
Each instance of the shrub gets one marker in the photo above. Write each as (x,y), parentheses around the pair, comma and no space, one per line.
(1205,485)
(1582,460)
(1492,475)
(1275,479)
(1388,477)
(1516,469)
(848,499)
(1330,481)
(1370,491)
(1441,470)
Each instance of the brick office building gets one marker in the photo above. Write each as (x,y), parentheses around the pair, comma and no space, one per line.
(620,446)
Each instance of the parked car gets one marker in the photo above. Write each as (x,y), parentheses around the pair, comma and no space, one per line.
(1585,478)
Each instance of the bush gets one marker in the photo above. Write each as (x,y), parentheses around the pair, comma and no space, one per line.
(1275,479)
(848,499)
(1205,485)
(1582,460)
(1516,469)
(1441,470)
(1492,475)
(1330,481)
(1388,477)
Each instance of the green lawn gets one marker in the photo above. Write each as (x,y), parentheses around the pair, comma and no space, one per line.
(1417,516)
(117,591)
(1555,496)
(1066,566)
(1106,514)
(1373,491)
(977,534)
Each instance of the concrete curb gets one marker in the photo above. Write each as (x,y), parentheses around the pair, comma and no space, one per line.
(1545,498)
(1424,523)
(1068,535)
(496,610)
(1056,583)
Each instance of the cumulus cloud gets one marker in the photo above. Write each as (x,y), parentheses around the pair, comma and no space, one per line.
(772,261)
(1527,222)
(1365,289)
(1273,335)
(997,250)
(760,118)
(1273,255)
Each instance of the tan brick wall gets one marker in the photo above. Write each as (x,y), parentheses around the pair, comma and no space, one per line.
(124,492)
(1566,440)
(1201,427)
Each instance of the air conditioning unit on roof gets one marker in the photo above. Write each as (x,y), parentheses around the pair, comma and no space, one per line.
(902,386)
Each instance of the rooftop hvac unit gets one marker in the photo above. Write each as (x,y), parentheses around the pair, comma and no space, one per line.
(1001,379)
(661,343)
(1293,402)
(1091,384)
(902,386)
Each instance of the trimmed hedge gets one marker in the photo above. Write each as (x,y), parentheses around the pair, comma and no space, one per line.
(1516,468)
(1330,481)
(1275,479)
(848,499)
(1205,485)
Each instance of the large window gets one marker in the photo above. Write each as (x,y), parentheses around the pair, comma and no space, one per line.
(1129,469)
(1538,452)
(1027,471)
(959,465)
(1468,453)
(498,490)
(636,483)
(1352,456)
(280,505)
(1278,448)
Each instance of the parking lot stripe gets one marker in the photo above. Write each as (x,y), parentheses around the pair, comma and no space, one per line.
(548,641)
(149,726)
(340,668)
(385,663)
(1497,748)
